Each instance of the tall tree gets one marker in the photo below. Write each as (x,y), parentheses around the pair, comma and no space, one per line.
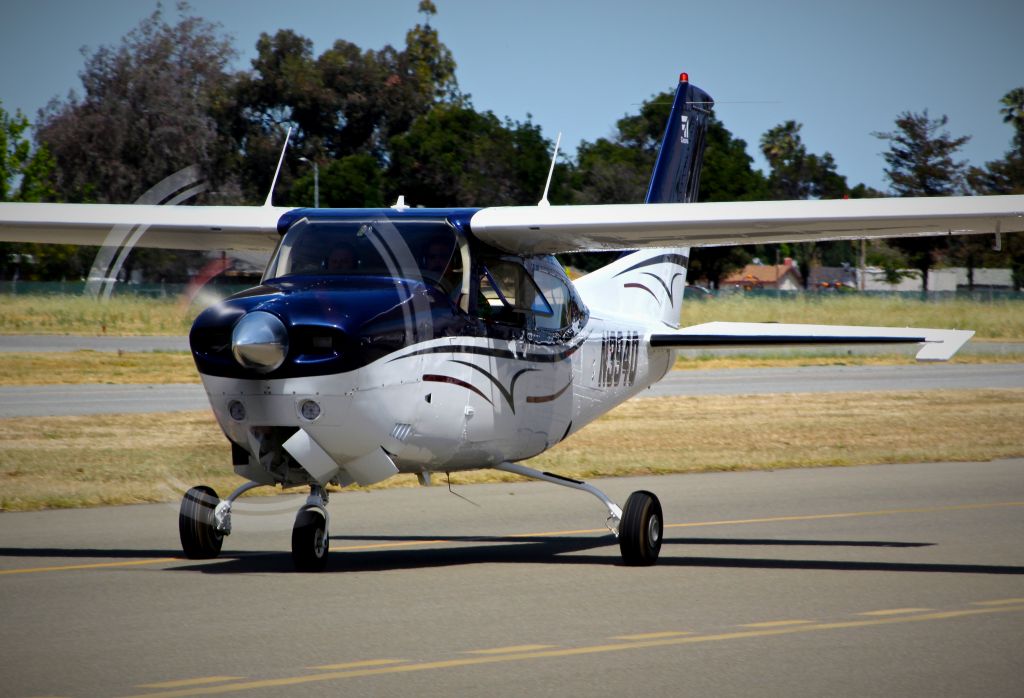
(455,156)
(145,112)
(921,162)
(618,170)
(26,174)
(797,174)
(921,154)
(1003,176)
(345,102)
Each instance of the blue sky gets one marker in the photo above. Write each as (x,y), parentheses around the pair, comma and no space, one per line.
(844,70)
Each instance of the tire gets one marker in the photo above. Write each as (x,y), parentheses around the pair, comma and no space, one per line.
(641,529)
(310,541)
(200,540)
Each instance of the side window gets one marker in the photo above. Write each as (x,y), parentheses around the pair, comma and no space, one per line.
(557,293)
(508,294)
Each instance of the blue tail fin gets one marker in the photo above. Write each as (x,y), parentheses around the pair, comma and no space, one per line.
(676,176)
(650,283)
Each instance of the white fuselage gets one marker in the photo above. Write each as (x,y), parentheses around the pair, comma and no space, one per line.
(452,403)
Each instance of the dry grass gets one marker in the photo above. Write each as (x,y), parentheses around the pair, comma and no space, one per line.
(120,316)
(97,367)
(1003,319)
(116,459)
(128,315)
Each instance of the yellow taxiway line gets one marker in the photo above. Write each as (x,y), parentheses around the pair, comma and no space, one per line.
(518,654)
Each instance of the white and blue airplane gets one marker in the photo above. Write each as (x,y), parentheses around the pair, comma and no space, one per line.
(415,340)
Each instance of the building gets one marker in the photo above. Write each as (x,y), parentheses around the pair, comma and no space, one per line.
(781,277)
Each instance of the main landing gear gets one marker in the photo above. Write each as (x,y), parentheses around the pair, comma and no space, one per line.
(639,525)
(204,520)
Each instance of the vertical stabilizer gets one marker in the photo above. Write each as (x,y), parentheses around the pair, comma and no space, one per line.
(650,283)
(676,176)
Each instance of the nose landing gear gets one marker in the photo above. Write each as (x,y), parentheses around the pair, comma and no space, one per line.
(310,537)
(204,520)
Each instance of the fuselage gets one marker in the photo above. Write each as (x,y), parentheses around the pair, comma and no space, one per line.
(410,347)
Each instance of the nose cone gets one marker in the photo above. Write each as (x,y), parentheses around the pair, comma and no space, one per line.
(259,341)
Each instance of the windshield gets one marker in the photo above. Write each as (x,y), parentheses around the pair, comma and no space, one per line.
(407,249)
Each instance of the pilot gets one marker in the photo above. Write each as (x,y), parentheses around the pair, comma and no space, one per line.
(438,267)
(439,253)
(341,259)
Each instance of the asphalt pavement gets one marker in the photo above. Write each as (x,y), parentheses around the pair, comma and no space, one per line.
(869,581)
(64,400)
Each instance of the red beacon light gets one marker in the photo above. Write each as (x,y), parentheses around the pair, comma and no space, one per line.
(684,77)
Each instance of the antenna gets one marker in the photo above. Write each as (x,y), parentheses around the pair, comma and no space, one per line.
(280,161)
(544,199)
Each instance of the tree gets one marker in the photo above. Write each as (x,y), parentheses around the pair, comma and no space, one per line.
(921,163)
(1004,176)
(618,170)
(455,156)
(145,113)
(343,103)
(921,156)
(797,174)
(26,174)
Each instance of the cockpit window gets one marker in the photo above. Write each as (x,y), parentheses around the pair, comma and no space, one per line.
(424,250)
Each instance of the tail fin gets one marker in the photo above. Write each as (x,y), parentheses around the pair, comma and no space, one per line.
(650,283)
(676,176)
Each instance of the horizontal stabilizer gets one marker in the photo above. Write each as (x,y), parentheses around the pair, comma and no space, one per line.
(939,345)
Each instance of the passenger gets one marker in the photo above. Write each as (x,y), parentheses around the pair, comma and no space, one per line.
(342,259)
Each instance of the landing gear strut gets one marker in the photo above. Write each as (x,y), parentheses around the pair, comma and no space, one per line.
(638,527)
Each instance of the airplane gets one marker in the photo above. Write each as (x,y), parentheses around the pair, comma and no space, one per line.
(427,340)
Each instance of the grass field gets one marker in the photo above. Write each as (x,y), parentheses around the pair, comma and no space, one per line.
(76,367)
(117,459)
(1002,319)
(128,315)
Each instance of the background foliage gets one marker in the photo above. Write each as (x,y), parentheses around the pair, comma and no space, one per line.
(392,121)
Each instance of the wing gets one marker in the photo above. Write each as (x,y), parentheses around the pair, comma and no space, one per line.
(939,345)
(172,227)
(551,229)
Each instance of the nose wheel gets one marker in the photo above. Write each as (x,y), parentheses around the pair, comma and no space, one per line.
(310,536)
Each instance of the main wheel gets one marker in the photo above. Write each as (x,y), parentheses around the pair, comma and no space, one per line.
(200,540)
(310,541)
(640,530)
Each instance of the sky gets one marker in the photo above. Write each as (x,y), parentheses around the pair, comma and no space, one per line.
(843,70)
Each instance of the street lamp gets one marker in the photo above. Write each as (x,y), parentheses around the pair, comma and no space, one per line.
(316,181)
